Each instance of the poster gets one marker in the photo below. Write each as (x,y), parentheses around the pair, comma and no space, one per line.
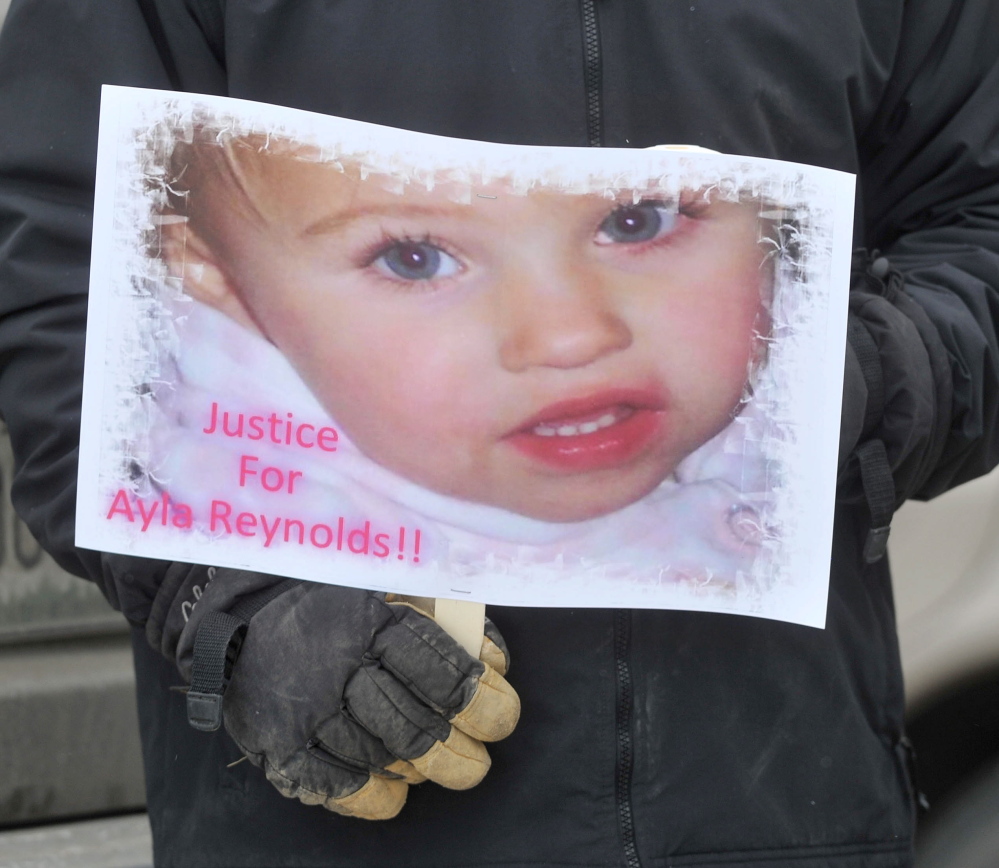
(520,375)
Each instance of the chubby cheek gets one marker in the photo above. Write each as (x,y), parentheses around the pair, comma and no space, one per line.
(708,340)
(729,354)
(407,384)
(732,341)
(412,404)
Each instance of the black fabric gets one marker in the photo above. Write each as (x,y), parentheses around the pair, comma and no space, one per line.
(753,743)
(738,761)
(870,367)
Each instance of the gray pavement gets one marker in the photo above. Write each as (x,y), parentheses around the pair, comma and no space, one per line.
(118,842)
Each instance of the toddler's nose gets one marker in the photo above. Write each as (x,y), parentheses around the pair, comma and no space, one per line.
(559,324)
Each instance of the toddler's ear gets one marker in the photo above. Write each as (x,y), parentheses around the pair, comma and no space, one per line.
(190,259)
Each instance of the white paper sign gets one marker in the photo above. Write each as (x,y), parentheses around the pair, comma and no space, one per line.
(521,375)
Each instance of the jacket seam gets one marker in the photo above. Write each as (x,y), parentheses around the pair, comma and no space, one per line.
(819,851)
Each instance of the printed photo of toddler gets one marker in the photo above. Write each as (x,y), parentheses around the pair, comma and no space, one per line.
(537,378)
(556,355)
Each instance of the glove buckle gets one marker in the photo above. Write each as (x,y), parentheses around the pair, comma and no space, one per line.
(216,648)
(204,710)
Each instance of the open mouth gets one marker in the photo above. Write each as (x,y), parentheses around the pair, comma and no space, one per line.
(566,428)
(599,432)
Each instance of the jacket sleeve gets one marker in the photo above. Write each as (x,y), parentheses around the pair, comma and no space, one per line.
(930,188)
(54,57)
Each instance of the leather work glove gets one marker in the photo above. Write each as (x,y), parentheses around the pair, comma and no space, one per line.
(342,697)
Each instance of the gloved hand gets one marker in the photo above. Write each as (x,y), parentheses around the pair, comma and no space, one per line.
(342,697)
(896,386)
(897,392)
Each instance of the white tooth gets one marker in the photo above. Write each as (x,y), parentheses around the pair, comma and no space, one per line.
(567,430)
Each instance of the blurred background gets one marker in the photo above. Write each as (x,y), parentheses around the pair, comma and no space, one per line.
(69,743)
(71,787)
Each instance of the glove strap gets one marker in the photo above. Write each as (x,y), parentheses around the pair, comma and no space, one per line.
(875,469)
(879,489)
(869,358)
(216,649)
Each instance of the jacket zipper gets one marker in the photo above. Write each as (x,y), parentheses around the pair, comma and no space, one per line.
(592,73)
(622,723)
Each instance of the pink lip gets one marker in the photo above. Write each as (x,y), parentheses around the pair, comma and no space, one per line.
(626,422)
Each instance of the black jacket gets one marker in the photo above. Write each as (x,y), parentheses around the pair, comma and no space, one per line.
(647,738)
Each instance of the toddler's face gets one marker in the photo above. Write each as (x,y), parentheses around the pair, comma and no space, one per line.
(551,354)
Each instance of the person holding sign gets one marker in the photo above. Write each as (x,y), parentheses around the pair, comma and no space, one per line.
(648,738)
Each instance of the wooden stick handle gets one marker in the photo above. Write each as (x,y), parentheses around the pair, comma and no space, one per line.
(464,621)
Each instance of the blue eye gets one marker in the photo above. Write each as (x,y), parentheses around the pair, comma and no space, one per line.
(630,224)
(415,260)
